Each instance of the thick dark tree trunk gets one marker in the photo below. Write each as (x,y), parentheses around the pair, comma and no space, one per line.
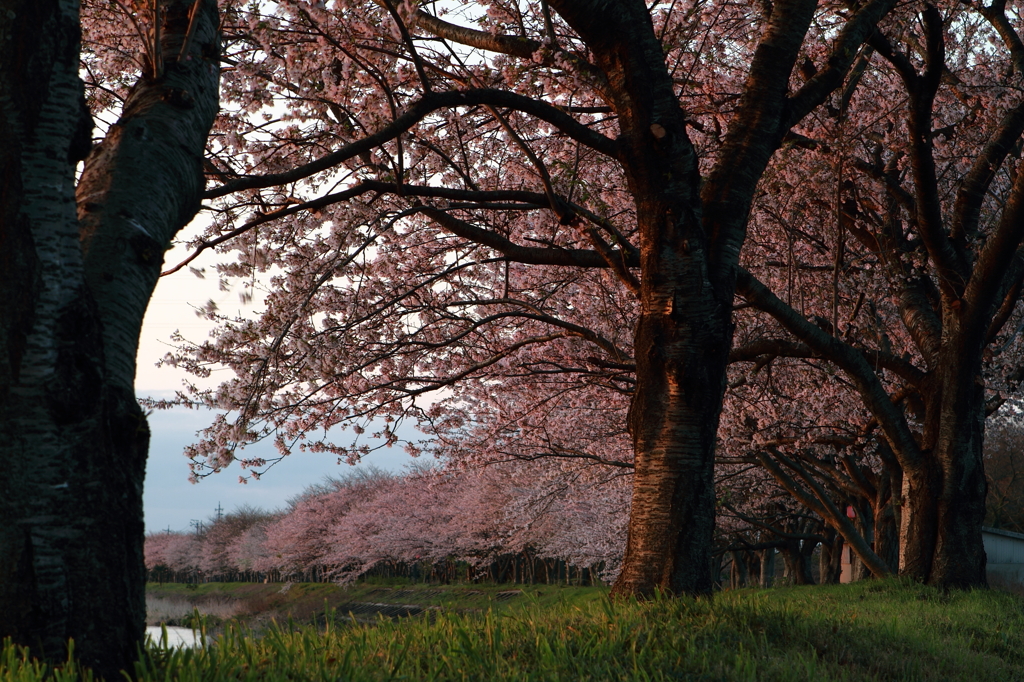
(953,555)
(960,558)
(72,436)
(688,263)
(960,510)
(797,556)
(681,347)
(74,449)
(830,560)
(887,541)
(940,538)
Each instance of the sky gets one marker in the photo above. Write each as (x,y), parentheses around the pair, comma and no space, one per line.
(170,501)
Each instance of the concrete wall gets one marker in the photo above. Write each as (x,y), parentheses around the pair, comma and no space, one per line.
(1005,551)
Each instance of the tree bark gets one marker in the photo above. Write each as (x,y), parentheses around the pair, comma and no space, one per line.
(949,551)
(738,571)
(797,556)
(74,440)
(830,561)
(767,567)
(886,518)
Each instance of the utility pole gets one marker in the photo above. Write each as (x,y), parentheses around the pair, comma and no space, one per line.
(220,511)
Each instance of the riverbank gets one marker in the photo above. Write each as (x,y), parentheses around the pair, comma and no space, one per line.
(871,630)
(255,605)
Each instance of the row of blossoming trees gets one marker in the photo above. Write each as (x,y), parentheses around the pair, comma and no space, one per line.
(492,523)
(523,522)
(503,523)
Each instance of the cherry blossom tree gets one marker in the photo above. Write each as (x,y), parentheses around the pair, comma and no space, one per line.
(299,542)
(183,554)
(228,541)
(248,552)
(155,552)
(898,287)
(562,190)
(81,252)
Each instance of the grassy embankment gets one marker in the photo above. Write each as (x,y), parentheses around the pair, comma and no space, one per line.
(866,631)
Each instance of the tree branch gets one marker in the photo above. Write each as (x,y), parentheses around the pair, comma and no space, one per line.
(994,263)
(755,133)
(996,15)
(535,200)
(791,349)
(516,46)
(967,210)
(853,34)
(850,360)
(414,114)
(824,506)
(580,258)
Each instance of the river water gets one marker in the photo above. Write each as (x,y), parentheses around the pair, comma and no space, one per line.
(176,637)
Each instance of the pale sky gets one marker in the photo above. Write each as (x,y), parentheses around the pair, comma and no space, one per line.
(170,500)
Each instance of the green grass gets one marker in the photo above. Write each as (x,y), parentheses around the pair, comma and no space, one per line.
(875,630)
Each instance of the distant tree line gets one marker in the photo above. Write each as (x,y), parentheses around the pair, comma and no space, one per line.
(525,523)
(430,525)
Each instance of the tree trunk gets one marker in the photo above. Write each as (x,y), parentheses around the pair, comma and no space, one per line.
(797,556)
(943,503)
(790,568)
(767,567)
(864,523)
(886,543)
(918,522)
(684,331)
(959,508)
(680,350)
(717,562)
(737,571)
(74,440)
(830,561)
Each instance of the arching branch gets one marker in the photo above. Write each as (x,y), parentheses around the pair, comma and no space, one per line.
(413,115)
(852,361)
